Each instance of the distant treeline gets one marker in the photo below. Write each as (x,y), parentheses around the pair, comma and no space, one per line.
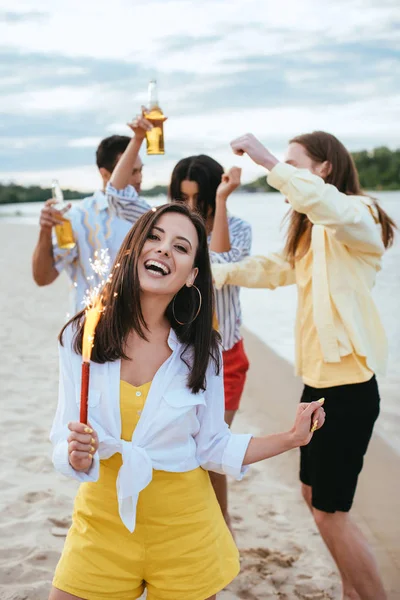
(379,170)
(16,194)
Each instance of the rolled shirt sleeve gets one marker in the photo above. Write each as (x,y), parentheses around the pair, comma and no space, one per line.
(126,203)
(67,411)
(240,238)
(218,449)
(270,272)
(349,218)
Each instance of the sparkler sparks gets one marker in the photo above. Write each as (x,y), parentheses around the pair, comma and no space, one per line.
(101,262)
(101,267)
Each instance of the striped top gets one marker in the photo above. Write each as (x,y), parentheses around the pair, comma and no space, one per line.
(96,227)
(229,311)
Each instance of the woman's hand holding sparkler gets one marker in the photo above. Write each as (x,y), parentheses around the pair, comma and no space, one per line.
(83,442)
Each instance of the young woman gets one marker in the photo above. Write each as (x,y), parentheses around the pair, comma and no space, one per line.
(200,182)
(146,515)
(335,241)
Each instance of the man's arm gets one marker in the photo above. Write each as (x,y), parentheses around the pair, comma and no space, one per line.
(43,269)
(121,175)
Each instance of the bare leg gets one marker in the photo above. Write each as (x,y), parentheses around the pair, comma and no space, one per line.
(349,593)
(229,416)
(56,594)
(352,555)
(306,492)
(219,482)
(212,597)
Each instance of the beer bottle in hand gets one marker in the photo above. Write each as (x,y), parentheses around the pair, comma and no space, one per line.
(64,234)
(155,137)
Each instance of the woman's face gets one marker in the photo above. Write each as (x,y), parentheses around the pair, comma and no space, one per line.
(297,156)
(166,262)
(189,193)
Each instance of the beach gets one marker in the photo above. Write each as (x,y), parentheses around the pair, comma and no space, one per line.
(282,554)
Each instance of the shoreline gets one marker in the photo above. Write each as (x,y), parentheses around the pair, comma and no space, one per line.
(19,208)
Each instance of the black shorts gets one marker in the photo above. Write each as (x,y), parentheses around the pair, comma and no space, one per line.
(332,461)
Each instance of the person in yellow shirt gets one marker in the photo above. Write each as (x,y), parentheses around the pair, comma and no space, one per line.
(335,241)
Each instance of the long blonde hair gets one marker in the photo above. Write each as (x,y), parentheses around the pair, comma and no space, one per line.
(320,147)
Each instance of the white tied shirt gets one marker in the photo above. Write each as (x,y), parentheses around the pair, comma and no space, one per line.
(177,431)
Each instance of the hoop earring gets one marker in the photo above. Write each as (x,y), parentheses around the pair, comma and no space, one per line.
(198,310)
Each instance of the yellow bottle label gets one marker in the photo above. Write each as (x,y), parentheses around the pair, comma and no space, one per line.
(64,234)
(155,137)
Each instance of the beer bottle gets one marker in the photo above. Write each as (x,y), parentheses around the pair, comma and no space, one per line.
(155,137)
(64,234)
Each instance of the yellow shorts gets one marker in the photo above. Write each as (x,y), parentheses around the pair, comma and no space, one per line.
(181,548)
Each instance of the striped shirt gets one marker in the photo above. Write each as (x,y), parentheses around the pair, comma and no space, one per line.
(96,227)
(229,311)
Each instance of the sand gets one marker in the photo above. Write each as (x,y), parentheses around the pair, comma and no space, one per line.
(282,554)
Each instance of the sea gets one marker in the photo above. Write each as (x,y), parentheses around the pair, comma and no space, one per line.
(270,314)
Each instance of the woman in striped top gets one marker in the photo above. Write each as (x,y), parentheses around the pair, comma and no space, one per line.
(200,182)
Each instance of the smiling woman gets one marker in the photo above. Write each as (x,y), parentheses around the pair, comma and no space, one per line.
(161,257)
(156,412)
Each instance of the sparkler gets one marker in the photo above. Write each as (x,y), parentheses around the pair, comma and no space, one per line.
(91,319)
(94,308)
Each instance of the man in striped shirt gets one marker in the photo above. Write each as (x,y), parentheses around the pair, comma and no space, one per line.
(95,227)
(200,182)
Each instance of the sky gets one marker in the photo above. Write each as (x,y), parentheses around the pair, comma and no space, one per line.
(74,72)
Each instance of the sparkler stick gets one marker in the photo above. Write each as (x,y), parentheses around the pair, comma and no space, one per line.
(100,266)
(91,320)
(94,307)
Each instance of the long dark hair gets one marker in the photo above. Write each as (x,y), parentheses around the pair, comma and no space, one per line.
(122,311)
(206,172)
(320,147)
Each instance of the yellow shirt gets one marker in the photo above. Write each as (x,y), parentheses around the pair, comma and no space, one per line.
(312,367)
(345,255)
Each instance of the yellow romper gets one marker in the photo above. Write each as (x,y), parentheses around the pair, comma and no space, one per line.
(181,548)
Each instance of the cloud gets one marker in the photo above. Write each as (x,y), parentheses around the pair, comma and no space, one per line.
(87,142)
(185,42)
(22,16)
(79,72)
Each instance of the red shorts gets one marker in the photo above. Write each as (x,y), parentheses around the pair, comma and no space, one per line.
(236,366)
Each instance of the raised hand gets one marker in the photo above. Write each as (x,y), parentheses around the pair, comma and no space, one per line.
(83,442)
(250,145)
(229,183)
(140,126)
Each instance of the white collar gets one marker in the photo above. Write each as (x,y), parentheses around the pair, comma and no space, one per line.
(173,340)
